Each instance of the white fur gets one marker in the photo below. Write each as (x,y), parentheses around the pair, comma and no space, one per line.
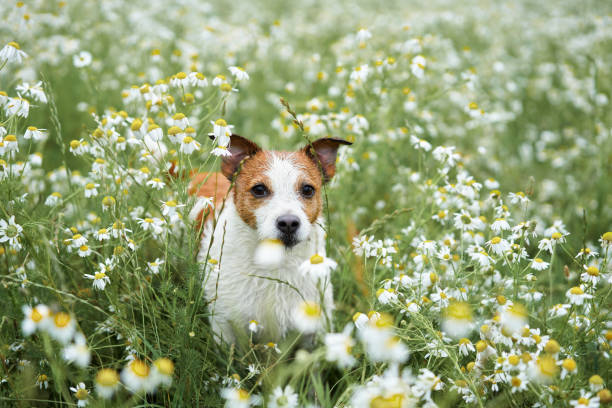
(283,174)
(239,289)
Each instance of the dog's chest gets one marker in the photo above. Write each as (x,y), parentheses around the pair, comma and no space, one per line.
(241,291)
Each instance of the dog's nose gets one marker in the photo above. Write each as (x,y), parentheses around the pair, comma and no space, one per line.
(287,224)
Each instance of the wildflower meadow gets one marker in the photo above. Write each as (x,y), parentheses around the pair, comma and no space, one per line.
(468,226)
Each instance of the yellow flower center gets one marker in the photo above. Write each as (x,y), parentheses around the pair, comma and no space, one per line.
(14,44)
(243,395)
(174,130)
(394,401)
(607,237)
(272,241)
(459,311)
(583,401)
(316,259)
(516,382)
(556,235)
(140,368)
(495,240)
(593,271)
(311,309)
(547,366)
(107,377)
(61,319)
(171,203)
(513,359)
(552,346)
(10,138)
(569,364)
(36,316)
(577,290)
(99,275)
(164,365)
(81,394)
(108,201)
(188,139)
(518,310)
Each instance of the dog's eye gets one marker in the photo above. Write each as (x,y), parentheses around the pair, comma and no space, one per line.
(260,191)
(308,190)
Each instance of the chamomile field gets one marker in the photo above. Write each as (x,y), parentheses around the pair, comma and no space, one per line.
(468,226)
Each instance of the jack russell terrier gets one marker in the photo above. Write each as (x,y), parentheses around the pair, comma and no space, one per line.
(263,197)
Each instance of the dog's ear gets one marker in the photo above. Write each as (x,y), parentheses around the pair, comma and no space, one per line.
(323,152)
(240,149)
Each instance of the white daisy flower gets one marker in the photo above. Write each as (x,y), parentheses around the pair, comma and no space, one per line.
(154,224)
(42,381)
(221,151)
(91,190)
(239,73)
(498,245)
(82,59)
(107,382)
(154,266)
(254,326)
(100,280)
(308,317)
(61,326)
(239,398)
(269,253)
(538,264)
(221,132)
(11,52)
(34,318)
(197,79)
(577,296)
(84,251)
(156,183)
(102,234)
(283,398)
(77,352)
(34,133)
(81,394)
(590,274)
(457,321)
(317,267)
(338,347)
(162,371)
(500,224)
(189,145)
(10,232)
(136,376)
(417,66)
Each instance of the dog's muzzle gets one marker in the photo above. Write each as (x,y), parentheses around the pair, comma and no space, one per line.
(288,225)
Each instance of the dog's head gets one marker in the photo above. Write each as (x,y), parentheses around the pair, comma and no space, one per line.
(279,193)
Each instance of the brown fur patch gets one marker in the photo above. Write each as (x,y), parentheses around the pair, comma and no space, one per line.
(214,185)
(252,173)
(311,175)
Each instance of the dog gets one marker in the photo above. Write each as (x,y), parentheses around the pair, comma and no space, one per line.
(263,197)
